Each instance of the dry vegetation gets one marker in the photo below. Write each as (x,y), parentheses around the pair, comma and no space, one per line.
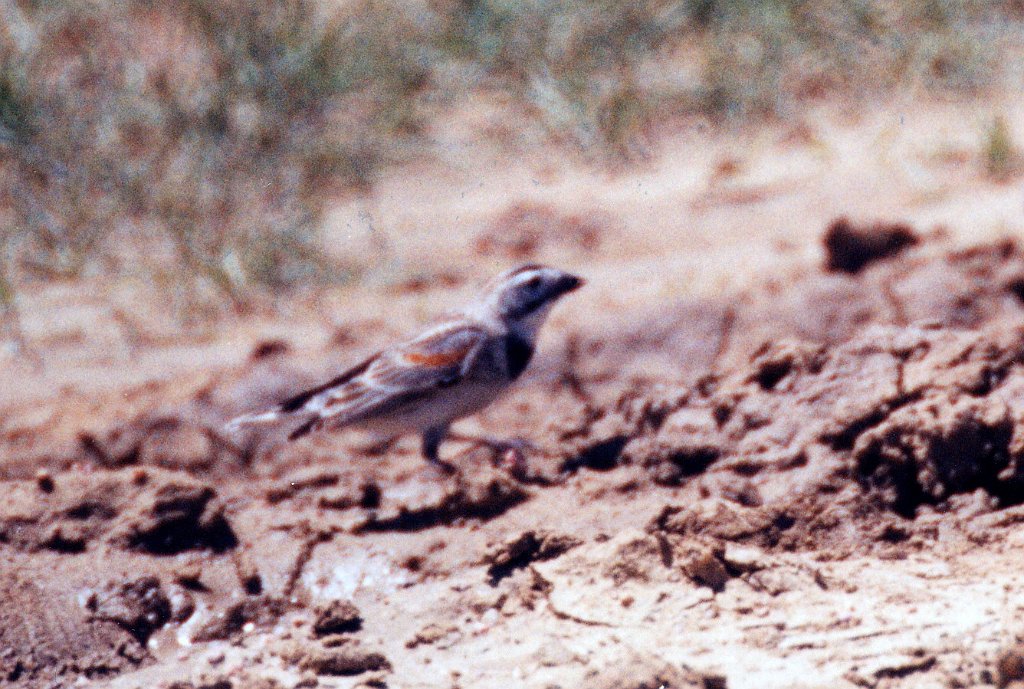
(194,145)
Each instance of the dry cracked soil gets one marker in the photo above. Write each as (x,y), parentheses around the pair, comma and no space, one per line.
(812,476)
(823,486)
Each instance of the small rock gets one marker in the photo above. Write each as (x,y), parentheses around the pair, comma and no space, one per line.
(849,247)
(704,565)
(337,617)
(308,680)
(1010,666)
(430,634)
(44,481)
(710,681)
(346,660)
(183,604)
(140,606)
(238,617)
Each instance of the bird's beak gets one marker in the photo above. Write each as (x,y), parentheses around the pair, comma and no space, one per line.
(567,283)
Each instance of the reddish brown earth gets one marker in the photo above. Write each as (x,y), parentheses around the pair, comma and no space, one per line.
(781,507)
(770,445)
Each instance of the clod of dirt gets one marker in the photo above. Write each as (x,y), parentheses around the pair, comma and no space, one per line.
(849,247)
(937,447)
(431,634)
(345,660)
(176,516)
(47,639)
(269,348)
(44,480)
(717,519)
(152,511)
(337,617)
(834,521)
(705,565)
(478,492)
(1010,666)
(139,606)
(262,610)
(519,552)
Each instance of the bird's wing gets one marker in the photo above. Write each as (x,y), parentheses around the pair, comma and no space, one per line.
(393,378)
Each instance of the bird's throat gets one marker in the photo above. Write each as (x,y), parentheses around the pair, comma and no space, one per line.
(518,353)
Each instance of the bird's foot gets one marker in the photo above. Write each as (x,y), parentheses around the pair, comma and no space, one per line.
(443,467)
(509,454)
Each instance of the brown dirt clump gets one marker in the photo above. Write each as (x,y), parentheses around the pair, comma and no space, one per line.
(139,606)
(524,549)
(47,639)
(337,617)
(149,511)
(850,247)
(349,658)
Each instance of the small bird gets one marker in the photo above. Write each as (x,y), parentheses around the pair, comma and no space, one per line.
(451,370)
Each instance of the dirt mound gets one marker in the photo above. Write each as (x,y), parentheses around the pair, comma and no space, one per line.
(911,415)
(838,400)
(926,283)
(477,492)
(850,247)
(824,417)
(149,511)
(47,637)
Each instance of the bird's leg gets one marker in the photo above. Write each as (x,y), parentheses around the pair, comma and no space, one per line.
(381,444)
(432,439)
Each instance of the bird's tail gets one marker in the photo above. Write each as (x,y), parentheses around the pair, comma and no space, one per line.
(239,422)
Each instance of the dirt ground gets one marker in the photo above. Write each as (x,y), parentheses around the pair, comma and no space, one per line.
(777,441)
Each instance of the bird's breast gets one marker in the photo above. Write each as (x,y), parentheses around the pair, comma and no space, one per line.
(518,353)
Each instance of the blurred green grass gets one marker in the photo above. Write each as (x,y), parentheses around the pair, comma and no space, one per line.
(195,144)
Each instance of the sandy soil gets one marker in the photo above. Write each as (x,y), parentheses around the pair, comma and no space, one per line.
(771,448)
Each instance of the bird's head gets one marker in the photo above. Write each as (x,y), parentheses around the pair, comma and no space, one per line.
(521,298)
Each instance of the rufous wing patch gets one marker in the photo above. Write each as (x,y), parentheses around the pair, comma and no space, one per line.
(436,360)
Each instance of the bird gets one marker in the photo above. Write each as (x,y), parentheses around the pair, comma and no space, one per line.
(449,371)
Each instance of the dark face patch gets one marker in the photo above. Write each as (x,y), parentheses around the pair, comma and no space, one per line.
(527,307)
(537,292)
